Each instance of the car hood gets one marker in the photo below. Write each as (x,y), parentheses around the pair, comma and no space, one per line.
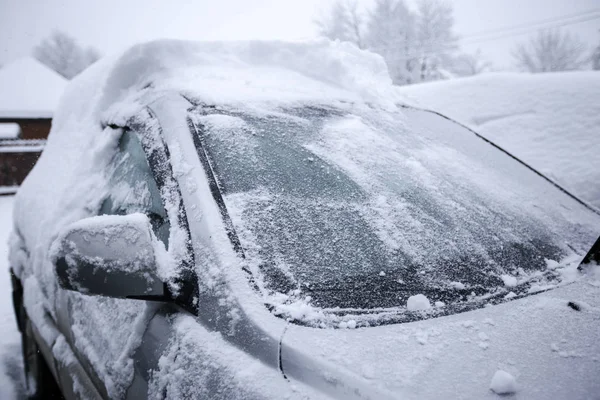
(549,342)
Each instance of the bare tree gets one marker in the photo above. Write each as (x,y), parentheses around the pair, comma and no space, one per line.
(344,22)
(470,64)
(357,23)
(436,41)
(392,33)
(416,45)
(550,50)
(64,55)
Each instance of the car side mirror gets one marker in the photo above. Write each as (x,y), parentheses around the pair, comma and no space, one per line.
(110,255)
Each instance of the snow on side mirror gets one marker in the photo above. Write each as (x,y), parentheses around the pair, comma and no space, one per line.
(109,255)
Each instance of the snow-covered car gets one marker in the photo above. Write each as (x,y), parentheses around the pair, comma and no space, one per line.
(268,220)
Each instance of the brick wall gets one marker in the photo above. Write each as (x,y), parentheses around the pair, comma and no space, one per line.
(17,157)
(14,167)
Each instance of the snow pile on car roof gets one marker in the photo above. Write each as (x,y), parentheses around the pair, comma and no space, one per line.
(238,72)
(550,121)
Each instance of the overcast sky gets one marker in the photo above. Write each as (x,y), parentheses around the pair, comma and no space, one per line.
(111,25)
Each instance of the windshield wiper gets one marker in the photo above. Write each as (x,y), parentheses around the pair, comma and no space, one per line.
(559,187)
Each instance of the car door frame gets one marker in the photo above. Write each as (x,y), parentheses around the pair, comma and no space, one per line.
(147,129)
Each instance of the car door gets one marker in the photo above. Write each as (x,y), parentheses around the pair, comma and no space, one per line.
(104,332)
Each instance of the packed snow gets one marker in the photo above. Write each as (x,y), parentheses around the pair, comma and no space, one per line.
(550,121)
(29,89)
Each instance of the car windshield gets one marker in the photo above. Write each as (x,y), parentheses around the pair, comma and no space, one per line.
(359,210)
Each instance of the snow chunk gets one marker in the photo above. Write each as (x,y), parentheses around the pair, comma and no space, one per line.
(509,280)
(503,383)
(418,302)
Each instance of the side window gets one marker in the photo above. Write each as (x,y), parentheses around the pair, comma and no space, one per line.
(132,187)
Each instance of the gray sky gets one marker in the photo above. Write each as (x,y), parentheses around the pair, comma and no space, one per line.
(111,25)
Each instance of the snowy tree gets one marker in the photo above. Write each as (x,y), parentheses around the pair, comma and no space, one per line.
(344,22)
(550,50)
(470,64)
(435,40)
(392,34)
(64,55)
(416,45)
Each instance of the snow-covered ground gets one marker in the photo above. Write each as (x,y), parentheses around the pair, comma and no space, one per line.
(551,121)
(11,366)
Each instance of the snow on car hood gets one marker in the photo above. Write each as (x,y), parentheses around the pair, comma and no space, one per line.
(551,349)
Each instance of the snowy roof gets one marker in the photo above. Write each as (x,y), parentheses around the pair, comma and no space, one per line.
(9,130)
(29,89)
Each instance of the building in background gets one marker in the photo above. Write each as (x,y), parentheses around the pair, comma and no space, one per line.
(29,93)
